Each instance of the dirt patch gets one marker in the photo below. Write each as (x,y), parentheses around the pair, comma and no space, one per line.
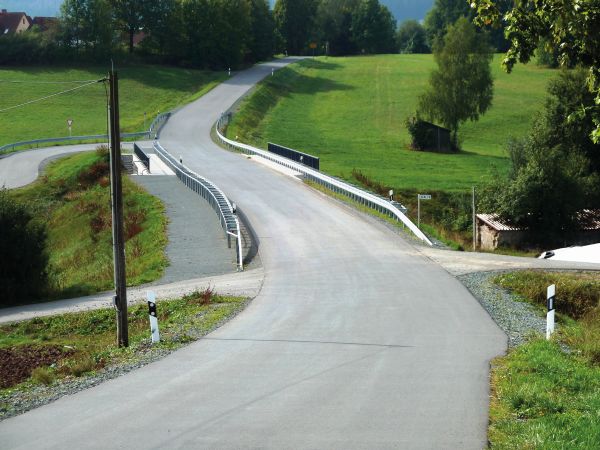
(17,363)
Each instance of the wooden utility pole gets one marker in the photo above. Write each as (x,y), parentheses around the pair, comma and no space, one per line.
(116,191)
(474,221)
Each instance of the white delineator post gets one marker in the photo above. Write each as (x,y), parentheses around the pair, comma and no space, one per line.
(550,314)
(151,296)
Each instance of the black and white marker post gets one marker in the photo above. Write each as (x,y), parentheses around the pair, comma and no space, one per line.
(551,293)
(151,296)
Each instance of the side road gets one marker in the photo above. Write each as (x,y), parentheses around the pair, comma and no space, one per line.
(240,284)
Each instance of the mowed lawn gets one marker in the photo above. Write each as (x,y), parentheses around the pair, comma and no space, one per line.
(142,89)
(350,112)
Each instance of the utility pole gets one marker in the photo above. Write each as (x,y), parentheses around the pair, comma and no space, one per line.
(116,191)
(474,221)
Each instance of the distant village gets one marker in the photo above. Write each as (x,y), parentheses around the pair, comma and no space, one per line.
(18,22)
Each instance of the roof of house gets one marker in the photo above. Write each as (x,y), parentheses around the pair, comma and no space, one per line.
(45,22)
(10,21)
(493,220)
(589,220)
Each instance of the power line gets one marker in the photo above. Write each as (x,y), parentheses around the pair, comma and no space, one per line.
(50,96)
(46,82)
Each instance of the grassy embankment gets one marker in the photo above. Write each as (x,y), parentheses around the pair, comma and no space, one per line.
(44,350)
(544,396)
(142,89)
(73,199)
(350,112)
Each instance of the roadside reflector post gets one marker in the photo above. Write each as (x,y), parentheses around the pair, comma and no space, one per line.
(391,194)
(151,297)
(551,293)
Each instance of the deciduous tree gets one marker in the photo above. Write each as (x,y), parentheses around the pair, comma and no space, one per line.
(461,88)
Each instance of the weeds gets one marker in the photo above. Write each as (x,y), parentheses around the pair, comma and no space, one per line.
(43,375)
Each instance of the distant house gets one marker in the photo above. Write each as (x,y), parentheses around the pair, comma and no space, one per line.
(14,22)
(45,23)
(492,232)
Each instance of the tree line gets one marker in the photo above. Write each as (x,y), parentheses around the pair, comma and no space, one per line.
(216,34)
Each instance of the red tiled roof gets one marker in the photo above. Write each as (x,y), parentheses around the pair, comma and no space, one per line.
(10,21)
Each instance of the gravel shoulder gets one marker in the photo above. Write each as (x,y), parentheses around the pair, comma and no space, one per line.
(519,320)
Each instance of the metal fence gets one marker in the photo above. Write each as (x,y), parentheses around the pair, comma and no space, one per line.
(360,196)
(212,194)
(152,133)
(294,155)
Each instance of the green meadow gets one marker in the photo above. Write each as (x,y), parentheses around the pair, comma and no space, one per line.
(350,112)
(143,89)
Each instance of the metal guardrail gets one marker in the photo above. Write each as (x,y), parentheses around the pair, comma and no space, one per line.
(211,193)
(152,133)
(333,184)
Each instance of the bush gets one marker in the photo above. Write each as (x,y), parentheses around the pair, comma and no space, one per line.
(43,375)
(575,295)
(23,274)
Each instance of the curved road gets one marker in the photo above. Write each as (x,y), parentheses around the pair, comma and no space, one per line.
(356,340)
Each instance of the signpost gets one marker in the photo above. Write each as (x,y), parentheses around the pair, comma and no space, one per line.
(69,124)
(551,293)
(419,198)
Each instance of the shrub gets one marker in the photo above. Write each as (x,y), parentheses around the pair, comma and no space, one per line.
(43,375)
(23,266)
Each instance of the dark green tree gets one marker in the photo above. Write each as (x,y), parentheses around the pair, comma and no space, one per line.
(334,22)
(164,25)
(88,24)
(374,28)
(569,27)
(262,41)
(294,22)
(461,88)
(131,16)
(23,274)
(555,169)
(411,38)
(442,14)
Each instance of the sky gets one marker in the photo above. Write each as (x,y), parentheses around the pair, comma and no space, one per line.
(401,9)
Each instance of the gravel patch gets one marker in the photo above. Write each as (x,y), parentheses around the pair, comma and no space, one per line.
(21,400)
(519,320)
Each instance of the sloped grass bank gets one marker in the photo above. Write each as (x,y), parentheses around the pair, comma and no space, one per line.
(546,394)
(73,199)
(144,91)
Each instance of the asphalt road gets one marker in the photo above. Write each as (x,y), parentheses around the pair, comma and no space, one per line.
(356,340)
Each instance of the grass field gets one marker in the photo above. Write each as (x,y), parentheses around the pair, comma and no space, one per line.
(73,199)
(350,113)
(544,396)
(142,89)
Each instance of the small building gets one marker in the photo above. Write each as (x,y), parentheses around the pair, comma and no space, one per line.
(14,22)
(492,232)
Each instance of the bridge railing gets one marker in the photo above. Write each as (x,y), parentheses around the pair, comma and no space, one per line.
(333,184)
(212,194)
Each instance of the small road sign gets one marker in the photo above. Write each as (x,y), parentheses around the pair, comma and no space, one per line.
(424,197)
